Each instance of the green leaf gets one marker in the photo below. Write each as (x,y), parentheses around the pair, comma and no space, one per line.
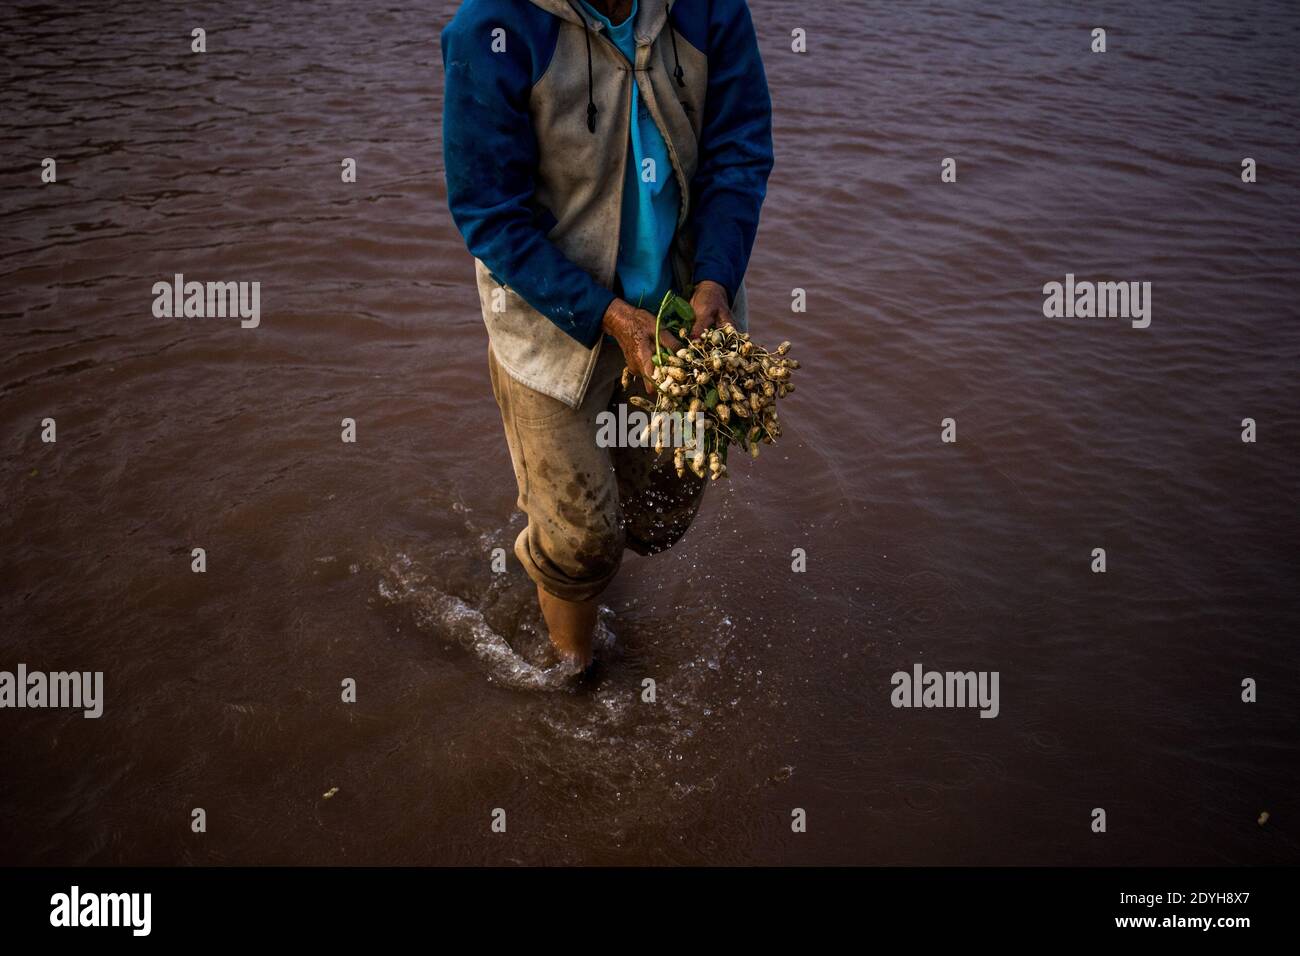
(676,315)
(711,399)
(683,308)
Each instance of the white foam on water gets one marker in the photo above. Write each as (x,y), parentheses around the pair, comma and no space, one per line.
(451,618)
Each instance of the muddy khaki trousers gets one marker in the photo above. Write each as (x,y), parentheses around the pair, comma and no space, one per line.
(585,503)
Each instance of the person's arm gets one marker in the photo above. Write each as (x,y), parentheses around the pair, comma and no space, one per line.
(735,160)
(490,155)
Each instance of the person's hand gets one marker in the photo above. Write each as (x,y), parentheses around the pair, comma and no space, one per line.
(711,309)
(635,331)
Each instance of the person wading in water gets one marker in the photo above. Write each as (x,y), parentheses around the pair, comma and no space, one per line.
(598,153)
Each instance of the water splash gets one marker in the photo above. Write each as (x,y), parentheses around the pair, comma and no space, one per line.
(452,618)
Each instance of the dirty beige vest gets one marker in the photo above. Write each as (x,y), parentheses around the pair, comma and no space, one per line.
(580,179)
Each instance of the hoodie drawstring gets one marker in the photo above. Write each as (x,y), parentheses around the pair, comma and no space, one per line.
(672,35)
(591,101)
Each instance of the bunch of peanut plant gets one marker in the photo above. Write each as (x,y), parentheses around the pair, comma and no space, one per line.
(720,384)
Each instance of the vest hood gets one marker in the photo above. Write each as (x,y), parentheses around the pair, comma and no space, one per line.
(651,15)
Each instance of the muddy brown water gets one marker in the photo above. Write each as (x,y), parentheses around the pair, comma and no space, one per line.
(371,560)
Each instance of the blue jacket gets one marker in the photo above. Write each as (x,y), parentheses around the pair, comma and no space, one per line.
(535,137)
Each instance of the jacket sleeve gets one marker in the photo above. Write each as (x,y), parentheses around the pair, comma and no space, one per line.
(490,155)
(735,149)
